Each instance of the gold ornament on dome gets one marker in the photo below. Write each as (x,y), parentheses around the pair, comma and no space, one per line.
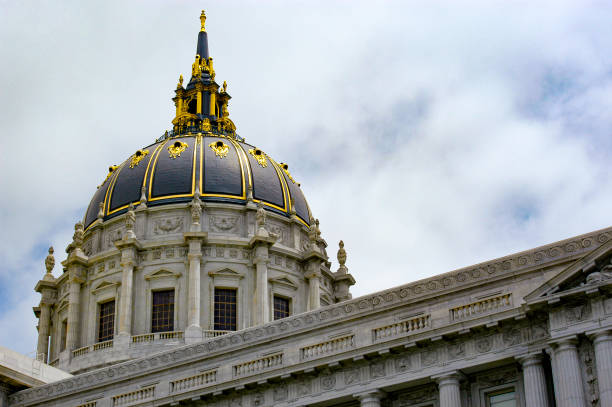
(111,169)
(220,148)
(259,156)
(285,168)
(137,157)
(177,148)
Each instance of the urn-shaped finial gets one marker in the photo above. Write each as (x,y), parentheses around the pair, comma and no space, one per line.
(342,257)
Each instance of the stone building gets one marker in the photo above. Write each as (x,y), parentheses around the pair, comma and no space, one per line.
(199,277)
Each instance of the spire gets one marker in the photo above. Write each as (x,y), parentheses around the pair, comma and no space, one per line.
(201,105)
(202,48)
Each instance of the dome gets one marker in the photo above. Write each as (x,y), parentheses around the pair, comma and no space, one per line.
(220,167)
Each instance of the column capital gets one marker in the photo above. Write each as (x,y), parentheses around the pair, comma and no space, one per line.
(375,395)
(452,377)
(567,342)
(530,359)
(602,335)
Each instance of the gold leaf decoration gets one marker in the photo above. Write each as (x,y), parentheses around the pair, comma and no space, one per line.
(137,157)
(259,156)
(177,148)
(285,168)
(220,148)
(111,170)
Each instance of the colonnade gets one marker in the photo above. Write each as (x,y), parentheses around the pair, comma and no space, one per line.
(567,372)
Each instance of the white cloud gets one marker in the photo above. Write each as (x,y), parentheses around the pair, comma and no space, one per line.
(428,137)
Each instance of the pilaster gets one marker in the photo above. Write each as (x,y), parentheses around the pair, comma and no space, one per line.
(260,244)
(129,255)
(193,333)
(75,264)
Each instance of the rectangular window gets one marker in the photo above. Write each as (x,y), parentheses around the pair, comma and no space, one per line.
(63,335)
(281,307)
(225,309)
(106,321)
(502,398)
(162,318)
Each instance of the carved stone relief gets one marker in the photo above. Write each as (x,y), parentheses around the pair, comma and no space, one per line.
(589,371)
(280,392)
(577,313)
(512,336)
(167,226)
(224,224)
(328,381)
(352,376)
(258,399)
(402,363)
(304,387)
(429,357)
(377,369)
(456,350)
(484,344)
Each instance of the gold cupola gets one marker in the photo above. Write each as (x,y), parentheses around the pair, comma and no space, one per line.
(201,105)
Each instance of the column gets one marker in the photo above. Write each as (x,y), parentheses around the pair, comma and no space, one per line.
(127,282)
(314,291)
(568,372)
(193,301)
(5,390)
(536,393)
(74,300)
(262,306)
(370,399)
(602,342)
(44,321)
(448,386)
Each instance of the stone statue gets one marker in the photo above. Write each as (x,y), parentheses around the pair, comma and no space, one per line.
(50,261)
(224,87)
(130,221)
(143,197)
(180,82)
(317,230)
(77,238)
(196,208)
(342,257)
(261,215)
(312,232)
(597,276)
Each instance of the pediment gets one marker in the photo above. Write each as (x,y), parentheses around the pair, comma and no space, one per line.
(585,274)
(104,285)
(284,281)
(163,273)
(226,272)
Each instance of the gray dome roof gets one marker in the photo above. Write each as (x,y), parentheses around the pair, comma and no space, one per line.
(221,167)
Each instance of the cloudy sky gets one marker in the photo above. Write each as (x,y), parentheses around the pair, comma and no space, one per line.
(427,135)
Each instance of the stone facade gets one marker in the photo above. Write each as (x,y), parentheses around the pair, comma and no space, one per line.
(536,325)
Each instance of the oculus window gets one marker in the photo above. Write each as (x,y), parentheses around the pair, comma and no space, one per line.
(162,314)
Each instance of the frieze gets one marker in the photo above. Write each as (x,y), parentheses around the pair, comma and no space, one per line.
(167,226)
(224,224)
(394,297)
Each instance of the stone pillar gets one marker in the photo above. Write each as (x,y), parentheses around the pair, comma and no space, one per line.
(261,306)
(74,304)
(314,291)
(127,282)
(448,386)
(44,321)
(536,394)
(370,399)
(602,343)
(5,390)
(568,373)
(193,333)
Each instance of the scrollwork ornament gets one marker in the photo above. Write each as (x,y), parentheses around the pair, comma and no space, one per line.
(259,156)
(177,148)
(137,157)
(220,148)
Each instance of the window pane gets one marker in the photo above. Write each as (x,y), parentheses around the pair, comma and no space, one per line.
(281,307)
(225,309)
(162,317)
(505,399)
(106,321)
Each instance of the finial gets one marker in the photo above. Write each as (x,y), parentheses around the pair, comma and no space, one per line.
(50,261)
(317,228)
(101,211)
(203,20)
(260,220)
(143,197)
(180,82)
(224,87)
(196,210)
(341,257)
